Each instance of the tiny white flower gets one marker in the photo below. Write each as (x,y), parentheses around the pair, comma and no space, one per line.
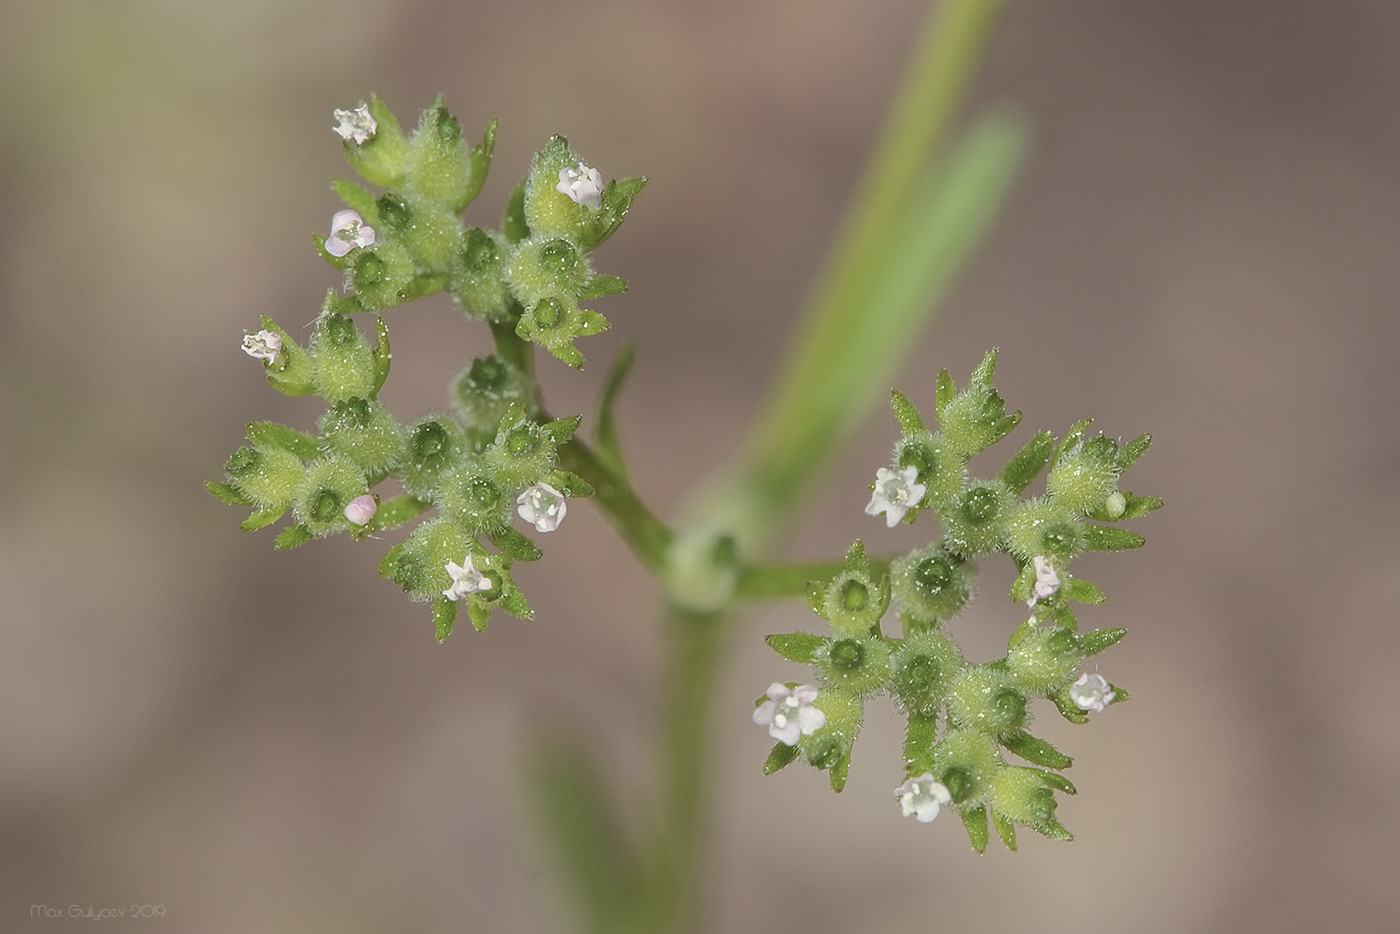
(583,185)
(542,506)
(263,345)
(465,579)
(1047,582)
(348,230)
(895,492)
(361,509)
(1091,692)
(356,124)
(922,797)
(788,713)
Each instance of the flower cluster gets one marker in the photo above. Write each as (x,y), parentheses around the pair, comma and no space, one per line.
(963,716)
(495,458)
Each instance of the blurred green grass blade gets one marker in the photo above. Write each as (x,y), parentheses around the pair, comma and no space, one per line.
(848,360)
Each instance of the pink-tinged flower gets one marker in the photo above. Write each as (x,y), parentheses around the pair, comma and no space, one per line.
(356,125)
(1092,692)
(263,345)
(788,713)
(583,185)
(361,509)
(348,231)
(894,493)
(921,797)
(1047,582)
(465,579)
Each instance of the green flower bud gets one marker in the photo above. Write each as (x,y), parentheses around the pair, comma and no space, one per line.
(479,284)
(975,524)
(268,477)
(382,278)
(860,666)
(487,388)
(853,603)
(1021,795)
(829,748)
(344,363)
(965,762)
(420,564)
(985,699)
(974,419)
(919,671)
(365,432)
(437,159)
(434,446)
(553,323)
(930,586)
(1045,660)
(475,499)
(1044,527)
(523,451)
(325,490)
(941,471)
(1085,476)
(546,267)
(431,233)
(292,371)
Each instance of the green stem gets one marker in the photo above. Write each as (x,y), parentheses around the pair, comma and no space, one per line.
(644,533)
(790,580)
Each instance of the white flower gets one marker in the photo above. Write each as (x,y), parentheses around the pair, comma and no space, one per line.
(356,124)
(922,797)
(465,579)
(262,345)
(788,713)
(348,230)
(361,509)
(1091,692)
(542,506)
(895,492)
(583,186)
(1047,582)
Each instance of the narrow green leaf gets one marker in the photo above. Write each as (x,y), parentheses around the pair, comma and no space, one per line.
(609,443)
(479,614)
(1067,708)
(513,224)
(1133,450)
(1081,591)
(291,537)
(358,199)
(227,493)
(1036,750)
(1019,634)
(479,161)
(1057,781)
(780,757)
(395,512)
(381,356)
(983,373)
(513,602)
(262,518)
(1107,538)
(1005,829)
(515,545)
(1026,464)
(601,285)
(444,617)
(944,391)
(975,822)
(839,771)
(1100,639)
(918,744)
(1054,830)
(797,647)
(617,199)
(579,818)
(1071,438)
(1065,617)
(816,596)
(571,484)
(1138,506)
(273,435)
(561,430)
(388,565)
(910,421)
(856,558)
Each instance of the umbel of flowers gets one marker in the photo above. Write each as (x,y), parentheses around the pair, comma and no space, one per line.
(493,458)
(965,718)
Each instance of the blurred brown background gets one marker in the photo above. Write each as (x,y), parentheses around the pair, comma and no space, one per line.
(1208,228)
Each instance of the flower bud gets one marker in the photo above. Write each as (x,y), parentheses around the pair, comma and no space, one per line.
(474,499)
(383,157)
(344,363)
(853,603)
(965,762)
(1044,660)
(325,490)
(419,565)
(984,699)
(1044,527)
(382,278)
(975,524)
(829,748)
(858,665)
(434,445)
(430,233)
(487,388)
(919,671)
(437,159)
(1084,477)
(546,267)
(930,586)
(1021,795)
(267,476)
(549,211)
(479,284)
(365,432)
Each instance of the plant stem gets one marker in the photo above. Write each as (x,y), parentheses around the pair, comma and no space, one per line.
(644,533)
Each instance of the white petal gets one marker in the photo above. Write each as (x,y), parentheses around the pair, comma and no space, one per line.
(810,719)
(763,713)
(788,734)
(337,247)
